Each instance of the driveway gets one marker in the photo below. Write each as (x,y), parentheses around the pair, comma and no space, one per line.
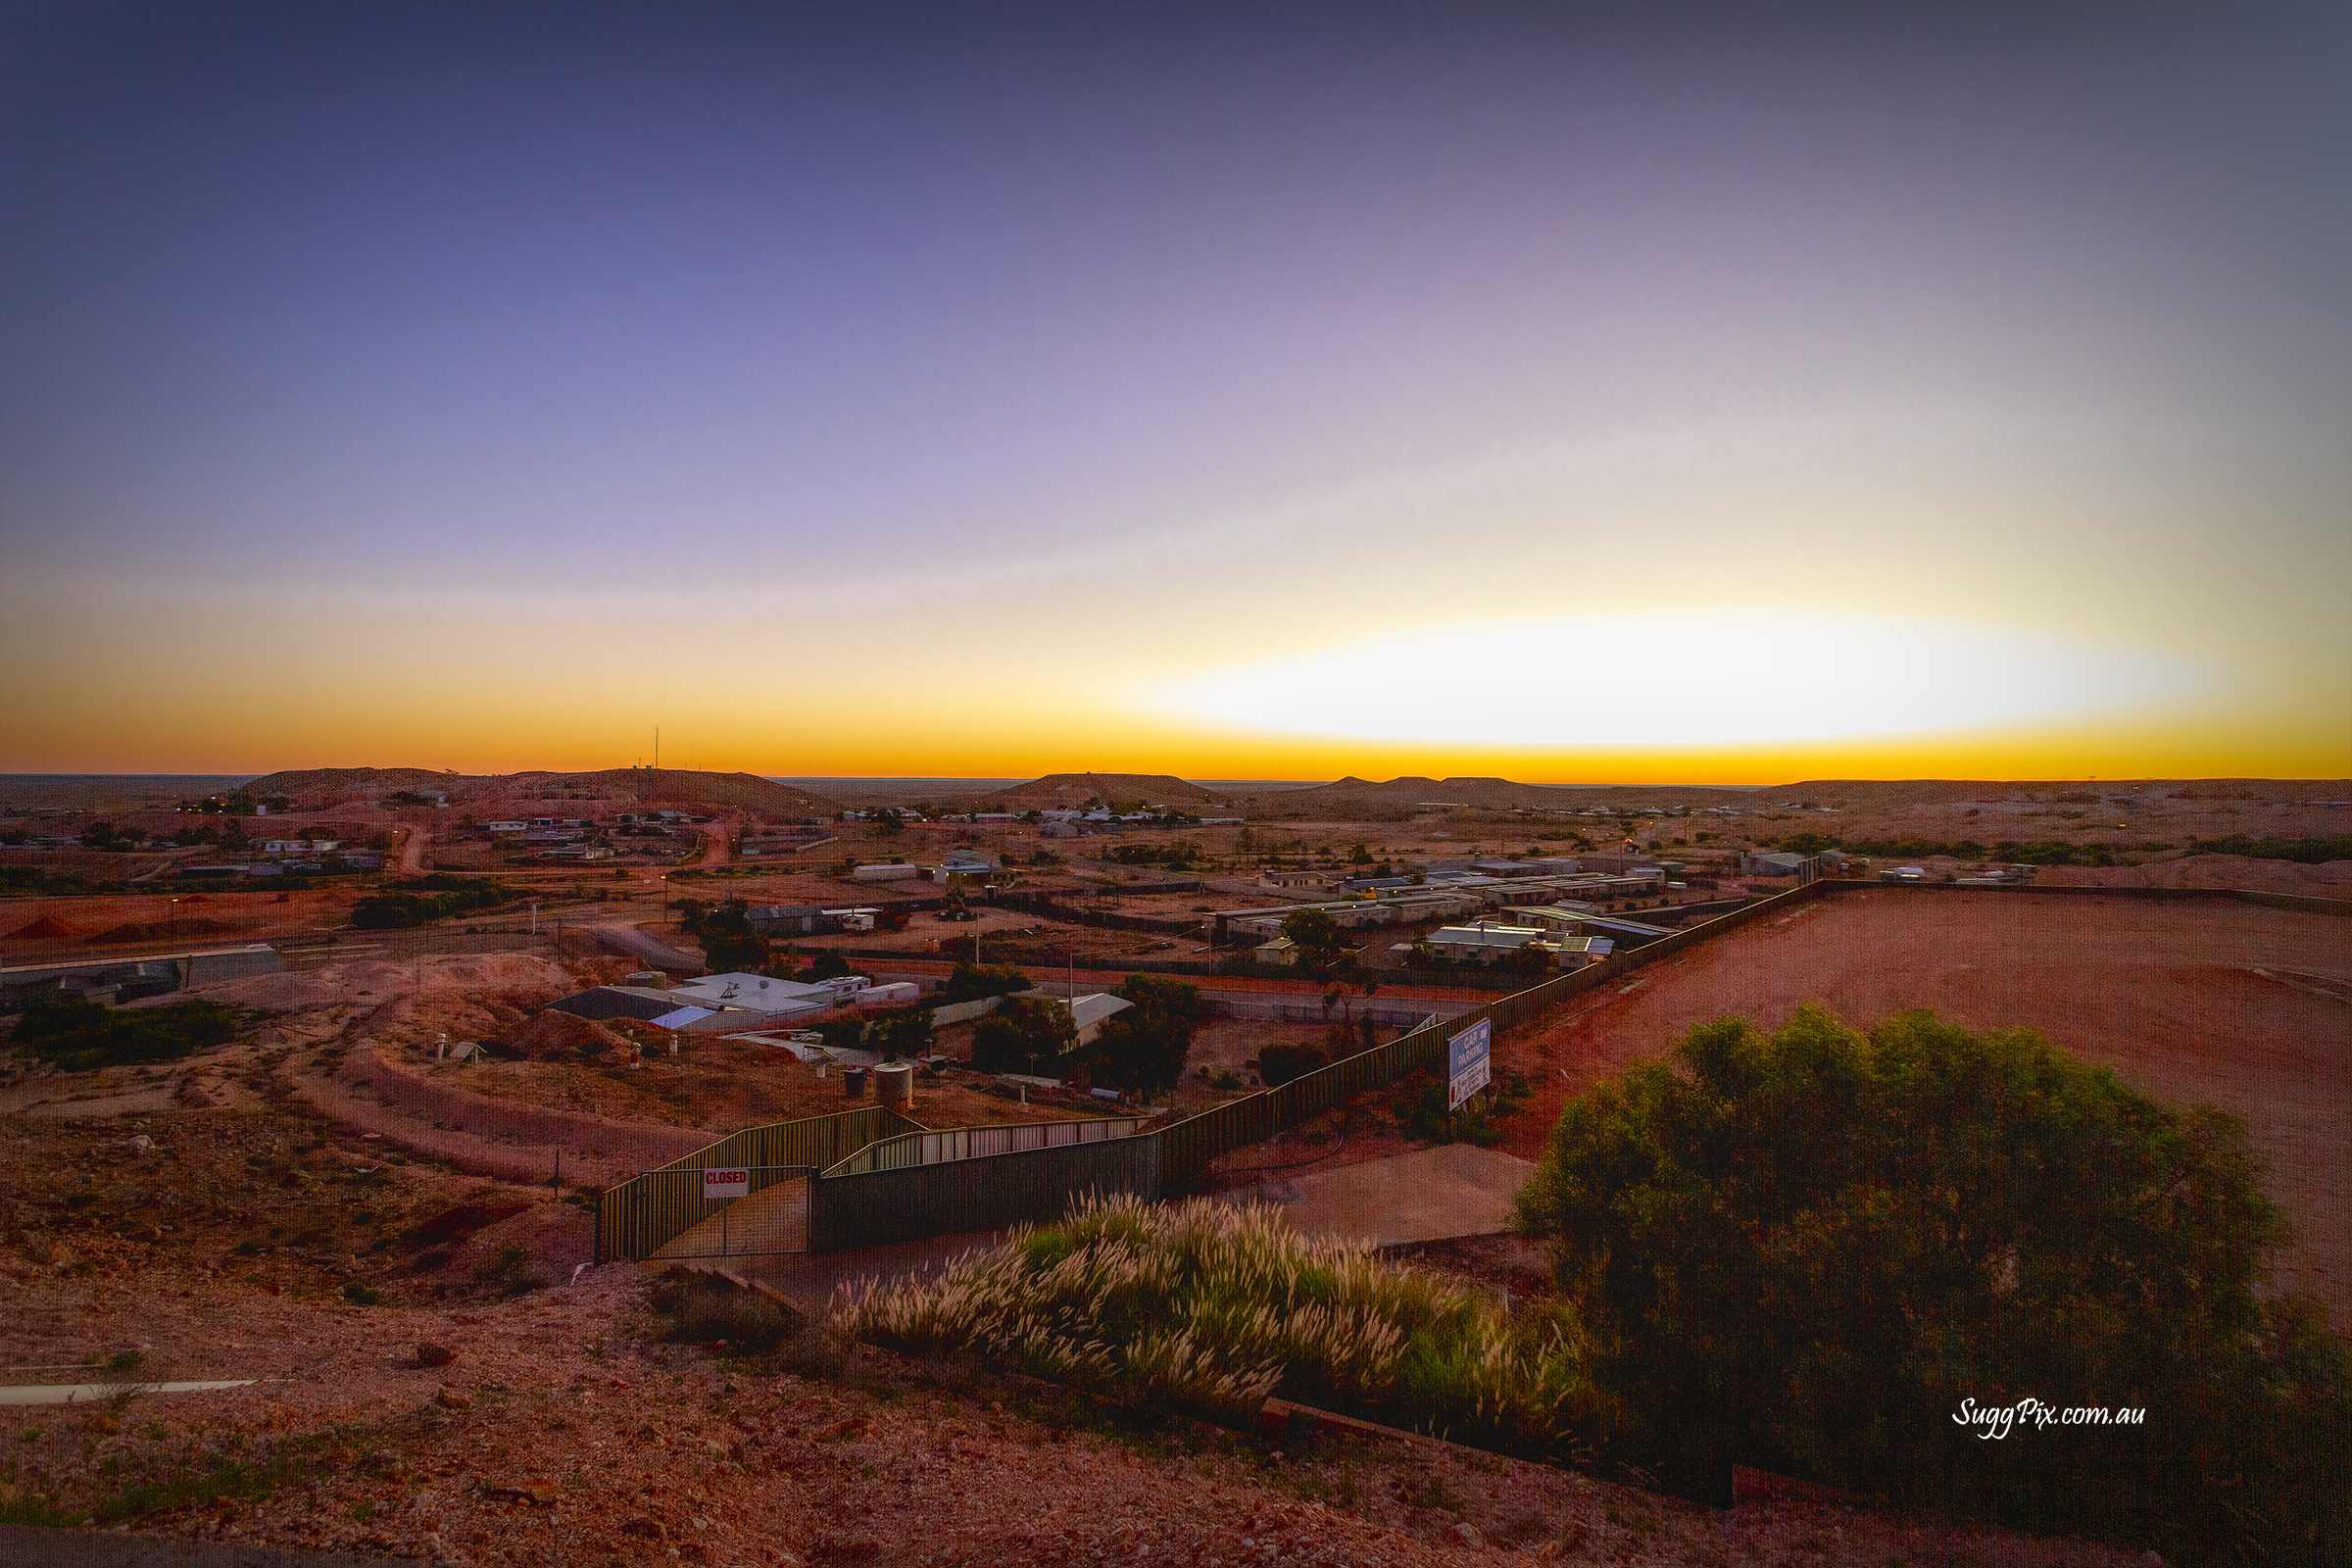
(1431,1195)
(621,937)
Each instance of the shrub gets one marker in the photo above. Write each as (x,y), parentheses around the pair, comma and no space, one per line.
(971,982)
(1279,1064)
(842,1034)
(1803,1253)
(903,1034)
(1021,1028)
(746,1324)
(511,1273)
(77,1035)
(1144,1045)
(1470,1122)
(436,896)
(2308,852)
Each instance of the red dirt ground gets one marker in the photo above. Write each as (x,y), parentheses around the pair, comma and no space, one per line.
(2239,1006)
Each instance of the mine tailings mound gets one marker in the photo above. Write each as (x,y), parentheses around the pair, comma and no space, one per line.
(48,928)
(560,1034)
(160,930)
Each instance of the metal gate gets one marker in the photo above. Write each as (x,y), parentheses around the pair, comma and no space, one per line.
(772,1217)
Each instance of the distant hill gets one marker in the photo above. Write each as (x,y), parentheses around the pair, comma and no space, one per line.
(1069,788)
(1360,800)
(611,789)
(1355,799)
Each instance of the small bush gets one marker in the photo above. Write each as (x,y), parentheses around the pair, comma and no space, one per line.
(1279,1064)
(746,1325)
(360,1295)
(511,1273)
(77,1035)
(1471,1122)
(970,982)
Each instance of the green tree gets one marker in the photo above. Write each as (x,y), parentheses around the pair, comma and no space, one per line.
(1279,1064)
(1021,1035)
(78,1034)
(1142,1047)
(970,982)
(903,1034)
(1323,950)
(1529,959)
(1805,1251)
(842,1034)
(729,944)
(828,965)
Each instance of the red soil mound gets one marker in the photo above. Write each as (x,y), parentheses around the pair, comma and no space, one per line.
(560,1034)
(162,930)
(47,928)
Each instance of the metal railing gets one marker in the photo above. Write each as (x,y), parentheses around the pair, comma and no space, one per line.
(773,1217)
(975,1143)
(638,1218)
(983,1178)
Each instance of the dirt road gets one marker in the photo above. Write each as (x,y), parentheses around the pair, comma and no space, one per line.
(413,844)
(621,937)
(718,842)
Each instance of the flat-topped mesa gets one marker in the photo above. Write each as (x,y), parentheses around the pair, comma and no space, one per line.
(621,788)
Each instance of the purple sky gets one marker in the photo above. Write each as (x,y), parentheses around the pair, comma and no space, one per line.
(1202,326)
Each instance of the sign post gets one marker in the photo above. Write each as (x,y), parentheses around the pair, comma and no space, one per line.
(718,1184)
(1466,1063)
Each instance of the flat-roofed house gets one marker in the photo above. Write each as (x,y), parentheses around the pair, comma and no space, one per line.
(1484,944)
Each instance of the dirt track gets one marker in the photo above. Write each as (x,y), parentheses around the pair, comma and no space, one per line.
(2242,1008)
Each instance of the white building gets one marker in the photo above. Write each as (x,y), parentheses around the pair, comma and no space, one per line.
(1484,944)
(1088,1013)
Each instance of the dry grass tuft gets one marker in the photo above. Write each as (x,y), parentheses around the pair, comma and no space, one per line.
(1209,1308)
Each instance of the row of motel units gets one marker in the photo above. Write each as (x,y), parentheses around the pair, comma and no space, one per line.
(1442,898)
(1485,944)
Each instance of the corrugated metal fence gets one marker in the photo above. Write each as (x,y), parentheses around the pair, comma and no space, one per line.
(896,1196)
(973,1143)
(976,1195)
(639,1216)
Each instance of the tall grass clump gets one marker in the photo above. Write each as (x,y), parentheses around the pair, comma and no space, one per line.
(1209,1308)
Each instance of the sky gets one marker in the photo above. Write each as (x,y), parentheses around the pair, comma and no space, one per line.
(1707,393)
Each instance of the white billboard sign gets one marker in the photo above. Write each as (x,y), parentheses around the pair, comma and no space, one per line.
(1466,1062)
(726,1184)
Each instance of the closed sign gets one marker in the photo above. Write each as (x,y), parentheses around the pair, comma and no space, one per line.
(726,1184)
